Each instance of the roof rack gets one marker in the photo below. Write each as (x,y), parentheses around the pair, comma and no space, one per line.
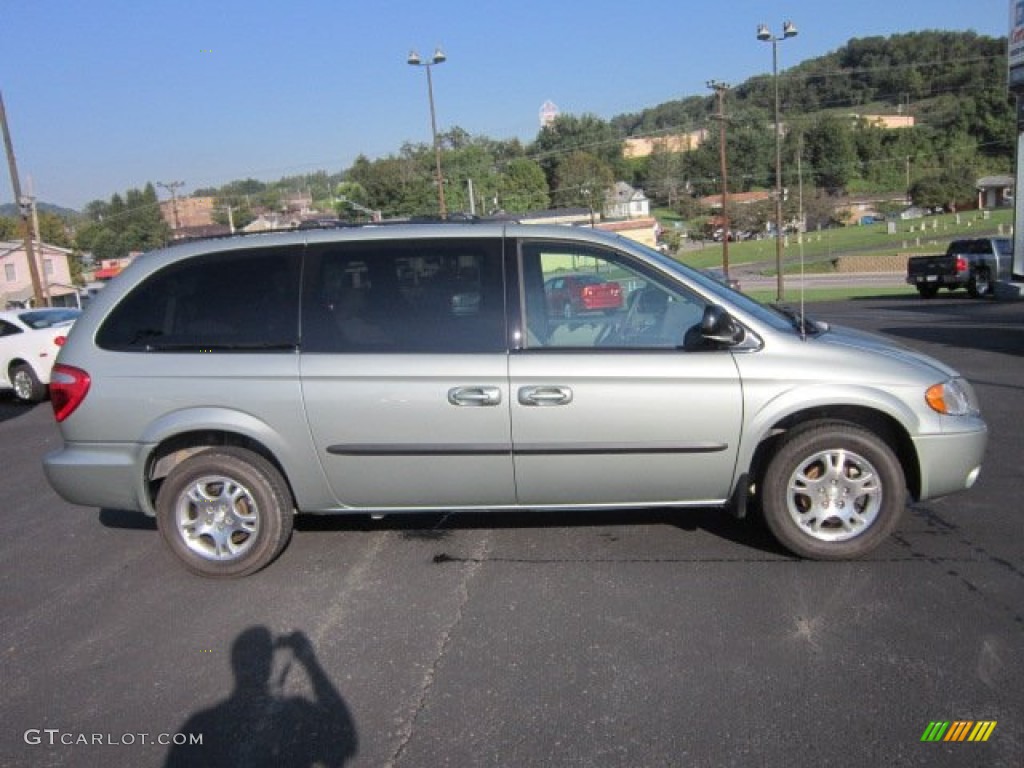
(329,223)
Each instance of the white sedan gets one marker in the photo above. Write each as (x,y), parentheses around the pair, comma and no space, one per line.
(29,342)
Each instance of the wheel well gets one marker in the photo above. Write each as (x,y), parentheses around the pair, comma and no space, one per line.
(886,427)
(15,363)
(175,450)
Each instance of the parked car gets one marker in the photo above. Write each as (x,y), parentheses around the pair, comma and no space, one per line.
(570,295)
(975,264)
(223,386)
(29,342)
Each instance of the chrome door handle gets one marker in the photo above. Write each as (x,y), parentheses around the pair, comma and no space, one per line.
(474,396)
(545,395)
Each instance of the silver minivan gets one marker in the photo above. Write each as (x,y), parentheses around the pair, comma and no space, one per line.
(223,386)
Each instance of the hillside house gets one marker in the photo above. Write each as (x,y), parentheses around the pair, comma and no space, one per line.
(16,288)
(623,201)
(995,192)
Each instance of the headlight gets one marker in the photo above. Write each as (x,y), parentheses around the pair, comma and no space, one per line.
(953,398)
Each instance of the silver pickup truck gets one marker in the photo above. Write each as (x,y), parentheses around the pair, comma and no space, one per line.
(975,264)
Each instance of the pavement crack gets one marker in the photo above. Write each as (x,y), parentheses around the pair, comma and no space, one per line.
(472,565)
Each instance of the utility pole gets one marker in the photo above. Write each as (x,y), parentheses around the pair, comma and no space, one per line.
(33,268)
(30,200)
(720,89)
(172,187)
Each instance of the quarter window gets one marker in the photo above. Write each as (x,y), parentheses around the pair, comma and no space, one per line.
(238,301)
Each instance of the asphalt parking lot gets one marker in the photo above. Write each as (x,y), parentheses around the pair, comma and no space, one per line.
(614,639)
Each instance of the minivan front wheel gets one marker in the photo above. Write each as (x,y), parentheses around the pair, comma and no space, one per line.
(832,492)
(225,512)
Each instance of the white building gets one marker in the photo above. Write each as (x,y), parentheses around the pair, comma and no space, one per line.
(54,275)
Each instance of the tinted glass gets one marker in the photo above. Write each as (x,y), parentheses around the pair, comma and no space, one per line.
(616,303)
(234,301)
(419,296)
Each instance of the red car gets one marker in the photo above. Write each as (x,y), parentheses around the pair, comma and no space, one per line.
(570,295)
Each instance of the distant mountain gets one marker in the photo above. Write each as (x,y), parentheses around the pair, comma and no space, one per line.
(10,210)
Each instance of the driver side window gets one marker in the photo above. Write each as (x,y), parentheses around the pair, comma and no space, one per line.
(580,297)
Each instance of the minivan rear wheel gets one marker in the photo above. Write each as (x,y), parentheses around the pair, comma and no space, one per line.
(833,491)
(225,512)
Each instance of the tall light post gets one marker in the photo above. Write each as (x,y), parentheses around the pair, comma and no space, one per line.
(765,36)
(415,61)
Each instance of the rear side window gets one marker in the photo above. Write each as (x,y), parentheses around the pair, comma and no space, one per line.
(436,296)
(219,302)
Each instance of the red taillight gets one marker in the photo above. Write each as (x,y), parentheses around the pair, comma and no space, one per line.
(60,340)
(68,388)
(961,264)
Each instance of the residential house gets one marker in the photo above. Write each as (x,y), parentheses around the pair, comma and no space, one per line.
(570,216)
(644,231)
(625,202)
(714,202)
(16,287)
(866,210)
(267,222)
(995,192)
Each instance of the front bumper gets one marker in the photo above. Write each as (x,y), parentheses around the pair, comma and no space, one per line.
(950,462)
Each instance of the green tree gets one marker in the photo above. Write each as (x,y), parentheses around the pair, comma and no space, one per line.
(125,224)
(666,181)
(522,187)
(947,190)
(10,229)
(582,180)
(568,135)
(830,148)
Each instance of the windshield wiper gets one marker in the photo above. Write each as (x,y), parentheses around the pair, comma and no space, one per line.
(800,322)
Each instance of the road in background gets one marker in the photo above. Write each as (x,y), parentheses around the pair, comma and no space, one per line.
(619,638)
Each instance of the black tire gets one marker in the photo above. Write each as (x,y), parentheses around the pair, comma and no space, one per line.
(225,512)
(833,491)
(980,284)
(27,387)
(928,291)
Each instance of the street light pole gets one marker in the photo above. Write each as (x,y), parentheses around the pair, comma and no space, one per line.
(437,58)
(765,36)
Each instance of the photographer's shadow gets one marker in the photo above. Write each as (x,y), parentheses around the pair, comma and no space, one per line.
(260,725)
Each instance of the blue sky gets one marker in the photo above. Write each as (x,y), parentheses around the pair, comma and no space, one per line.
(105,95)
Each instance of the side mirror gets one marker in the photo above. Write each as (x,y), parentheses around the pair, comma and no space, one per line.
(718,326)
